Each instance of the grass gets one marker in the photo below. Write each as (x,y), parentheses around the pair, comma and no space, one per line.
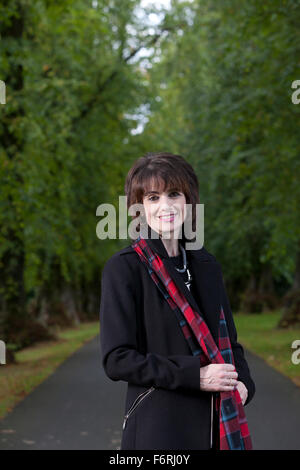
(37,362)
(258,333)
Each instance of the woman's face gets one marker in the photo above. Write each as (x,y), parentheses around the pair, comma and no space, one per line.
(165,211)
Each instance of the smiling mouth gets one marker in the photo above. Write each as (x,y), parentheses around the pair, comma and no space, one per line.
(168,217)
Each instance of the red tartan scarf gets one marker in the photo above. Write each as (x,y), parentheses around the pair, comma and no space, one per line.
(233,426)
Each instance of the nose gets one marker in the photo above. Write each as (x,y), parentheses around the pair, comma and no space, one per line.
(165,203)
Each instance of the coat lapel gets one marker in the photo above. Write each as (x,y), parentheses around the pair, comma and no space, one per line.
(207,287)
(206,276)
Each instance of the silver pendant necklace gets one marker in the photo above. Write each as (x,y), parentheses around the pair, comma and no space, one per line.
(185,268)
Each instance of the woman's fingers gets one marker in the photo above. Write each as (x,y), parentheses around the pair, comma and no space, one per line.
(230,381)
(227,367)
(242,389)
(218,377)
(231,377)
(231,374)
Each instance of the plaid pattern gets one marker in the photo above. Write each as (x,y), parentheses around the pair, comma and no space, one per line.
(234,432)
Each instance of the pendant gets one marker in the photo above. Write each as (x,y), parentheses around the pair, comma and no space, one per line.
(188,283)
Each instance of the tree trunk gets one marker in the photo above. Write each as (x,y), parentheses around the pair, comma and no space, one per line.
(291,301)
(260,294)
(266,292)
(67,299)
(249,302)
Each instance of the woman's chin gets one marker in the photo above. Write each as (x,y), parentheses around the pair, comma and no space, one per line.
(169,232)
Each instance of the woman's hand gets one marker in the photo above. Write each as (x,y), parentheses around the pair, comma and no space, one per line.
(218,378)
(242,389)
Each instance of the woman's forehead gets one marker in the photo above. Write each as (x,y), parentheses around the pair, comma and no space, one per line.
(160,186)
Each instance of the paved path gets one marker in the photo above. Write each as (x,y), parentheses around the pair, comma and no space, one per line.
(78,407)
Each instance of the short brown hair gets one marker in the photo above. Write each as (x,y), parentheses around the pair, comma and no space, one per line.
(162,171)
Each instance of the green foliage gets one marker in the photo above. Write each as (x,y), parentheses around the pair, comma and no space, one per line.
(62,152)
(216,85)
(227,107)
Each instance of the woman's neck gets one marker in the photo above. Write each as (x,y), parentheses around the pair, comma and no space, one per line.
(171,245)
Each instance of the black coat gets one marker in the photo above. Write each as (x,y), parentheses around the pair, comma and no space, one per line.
(142,344)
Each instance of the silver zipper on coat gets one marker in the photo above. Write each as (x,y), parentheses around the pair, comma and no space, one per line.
(211,420)
(136,402)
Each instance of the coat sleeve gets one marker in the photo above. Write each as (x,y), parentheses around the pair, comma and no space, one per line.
(241,364)
(121,359)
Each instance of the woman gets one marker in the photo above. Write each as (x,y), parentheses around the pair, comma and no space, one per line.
(163,307)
